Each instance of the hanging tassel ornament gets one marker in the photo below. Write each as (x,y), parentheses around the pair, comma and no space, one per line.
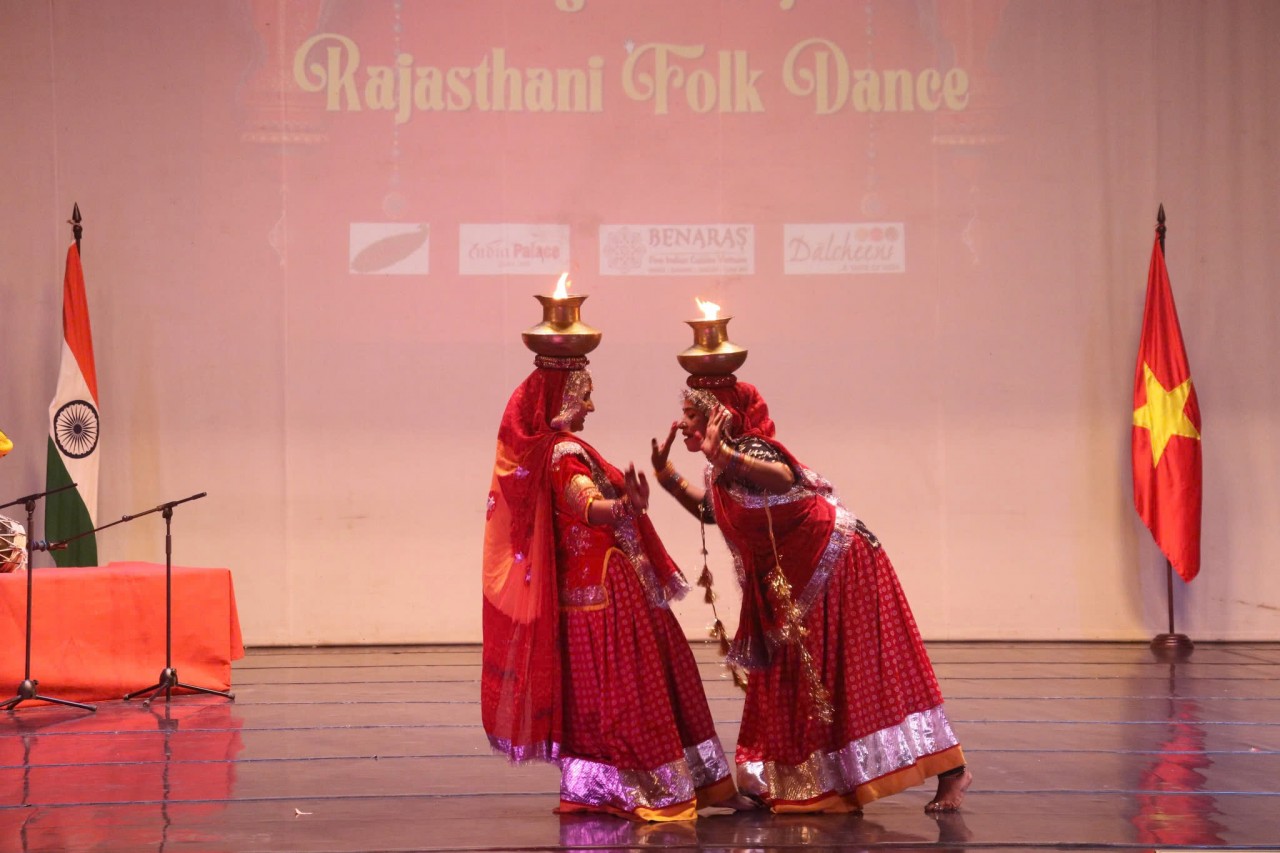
(792,630)
(705,581)
(717,632)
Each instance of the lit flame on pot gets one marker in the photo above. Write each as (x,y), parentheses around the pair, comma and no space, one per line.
(562,287)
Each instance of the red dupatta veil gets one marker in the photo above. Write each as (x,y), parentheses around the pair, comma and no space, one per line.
(520,682)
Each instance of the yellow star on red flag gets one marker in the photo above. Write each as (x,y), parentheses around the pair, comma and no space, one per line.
(1167,470)
(1164,415)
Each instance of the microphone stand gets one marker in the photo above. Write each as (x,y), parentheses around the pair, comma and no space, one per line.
(169,675)
(27,689)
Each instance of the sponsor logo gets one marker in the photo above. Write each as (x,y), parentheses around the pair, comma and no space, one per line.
(390,248)
(721,249)
(844,248)
(510,249)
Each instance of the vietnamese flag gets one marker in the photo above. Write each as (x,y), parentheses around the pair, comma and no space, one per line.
(1166,429)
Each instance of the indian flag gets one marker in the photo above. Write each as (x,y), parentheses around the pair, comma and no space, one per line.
(73,429)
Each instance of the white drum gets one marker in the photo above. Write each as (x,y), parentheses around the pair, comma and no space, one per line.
(13,545)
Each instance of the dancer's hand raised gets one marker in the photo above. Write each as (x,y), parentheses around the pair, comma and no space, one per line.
(637,489)
(715,428)
(661,452)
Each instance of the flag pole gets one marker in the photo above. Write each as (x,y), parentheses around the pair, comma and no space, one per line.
(1171,646)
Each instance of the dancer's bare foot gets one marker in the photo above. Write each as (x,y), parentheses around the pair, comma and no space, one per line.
(950,792)
(741,803)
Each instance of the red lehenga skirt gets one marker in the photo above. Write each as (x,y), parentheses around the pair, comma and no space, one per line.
(889,730)
(639,740)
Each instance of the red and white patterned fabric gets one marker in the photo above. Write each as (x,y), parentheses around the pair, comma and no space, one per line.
(584,663)
(889,730)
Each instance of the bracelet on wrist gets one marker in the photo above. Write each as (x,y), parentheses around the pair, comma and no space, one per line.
(620,508)
(673,482)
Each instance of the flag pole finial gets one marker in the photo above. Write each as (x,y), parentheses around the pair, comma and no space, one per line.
(74,222)
(1160,229)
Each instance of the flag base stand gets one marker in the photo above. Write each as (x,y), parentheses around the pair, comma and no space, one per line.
(1172,648)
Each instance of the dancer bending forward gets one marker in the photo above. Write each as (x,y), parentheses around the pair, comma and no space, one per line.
(842,705)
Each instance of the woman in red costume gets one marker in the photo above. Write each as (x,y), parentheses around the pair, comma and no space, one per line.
(842,705)
(584,664)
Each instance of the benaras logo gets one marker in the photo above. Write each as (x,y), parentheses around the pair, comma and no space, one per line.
(671,249)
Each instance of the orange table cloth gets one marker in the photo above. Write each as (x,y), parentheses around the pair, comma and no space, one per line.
(98,632)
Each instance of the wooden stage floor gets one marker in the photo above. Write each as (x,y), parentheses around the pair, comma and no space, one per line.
(1073,746)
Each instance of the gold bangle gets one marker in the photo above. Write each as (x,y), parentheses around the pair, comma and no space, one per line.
(724,456)
(669,477)
(735,466)
(621,507)
(677,486)
(579,493)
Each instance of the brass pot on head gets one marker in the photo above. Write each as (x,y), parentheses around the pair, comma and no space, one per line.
(712,353)
(561,334)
